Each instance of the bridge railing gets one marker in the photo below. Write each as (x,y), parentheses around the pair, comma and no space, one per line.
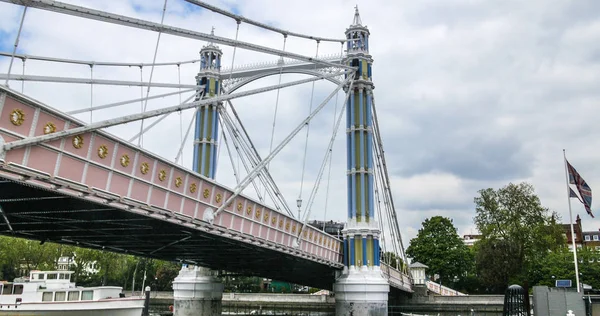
(396,277)
(442,290)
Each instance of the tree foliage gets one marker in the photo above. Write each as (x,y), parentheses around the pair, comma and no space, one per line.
(517,234)
(19,256)
(439,246)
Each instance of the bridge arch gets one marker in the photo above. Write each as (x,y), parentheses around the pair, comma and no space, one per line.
(276,72)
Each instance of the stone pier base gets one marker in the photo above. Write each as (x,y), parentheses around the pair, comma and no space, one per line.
(197,292)
(361,292)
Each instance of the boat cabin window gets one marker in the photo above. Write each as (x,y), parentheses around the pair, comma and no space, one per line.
(37,276)
(87,295)
(51,276)
(73,296)
(59,296)
(47,296)
(18,289)
(7,290)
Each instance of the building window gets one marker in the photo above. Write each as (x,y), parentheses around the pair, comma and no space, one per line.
(595,237)
(587,237)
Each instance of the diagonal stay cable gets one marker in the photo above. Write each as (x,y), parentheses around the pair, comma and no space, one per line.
(162,19)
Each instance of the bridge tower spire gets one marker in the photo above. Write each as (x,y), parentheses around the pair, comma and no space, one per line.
(207,117)
(361,290)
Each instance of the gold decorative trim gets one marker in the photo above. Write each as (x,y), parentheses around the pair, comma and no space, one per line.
(178,182)
(248,210)
(193,188)
(280,223)
(77,142)
(17,117)
(124,160)
(205,193)
(287,226)
(239,206)
(144,168)
(257,214)
(273,220)
(219,198)
(162,175)
(266,217)
(294,228)
(305,234)
(49,128)
(102,151)
(310,236)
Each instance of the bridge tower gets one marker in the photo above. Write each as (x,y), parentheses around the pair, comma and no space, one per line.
(196,290)
(207,116)
(361,290)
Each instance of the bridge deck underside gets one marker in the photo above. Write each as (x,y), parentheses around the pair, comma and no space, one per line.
(45,215)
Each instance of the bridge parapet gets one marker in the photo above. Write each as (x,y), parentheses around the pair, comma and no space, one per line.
(104,169)
(396,278)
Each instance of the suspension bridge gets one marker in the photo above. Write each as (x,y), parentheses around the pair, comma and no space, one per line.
(68,179)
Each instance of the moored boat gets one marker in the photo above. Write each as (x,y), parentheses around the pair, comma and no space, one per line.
(51,293)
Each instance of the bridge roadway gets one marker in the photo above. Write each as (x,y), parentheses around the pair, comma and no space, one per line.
(97,191)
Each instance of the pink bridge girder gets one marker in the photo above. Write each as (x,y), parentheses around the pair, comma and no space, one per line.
(101,168)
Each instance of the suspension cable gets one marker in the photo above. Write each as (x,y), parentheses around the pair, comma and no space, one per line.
(162,19)
(12,57)
(257,158)
(187,133)
(91,92)
(331,155)
(237,32)
(224,138)
(276,101)
(180,116)
(312,93)
(327,153)
(386,176)
(23,81)
(239,147)
(111,105)
(142,132)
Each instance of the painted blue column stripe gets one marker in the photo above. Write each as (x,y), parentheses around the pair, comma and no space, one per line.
(364,254)
(361,163)
(348,160)
(345,252)
(196,145)
(352,157)
(370,156)
(351,246)
(204,131)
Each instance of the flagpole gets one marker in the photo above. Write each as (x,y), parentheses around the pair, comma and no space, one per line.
(571,219)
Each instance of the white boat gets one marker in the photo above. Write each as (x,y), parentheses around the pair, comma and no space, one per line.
(51,293)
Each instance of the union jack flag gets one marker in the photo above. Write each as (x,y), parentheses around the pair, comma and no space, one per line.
(582,187)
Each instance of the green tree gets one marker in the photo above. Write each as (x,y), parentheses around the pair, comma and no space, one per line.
(439,246)
(517,234)
(393,260)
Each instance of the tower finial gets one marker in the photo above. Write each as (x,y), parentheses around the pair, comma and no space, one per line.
(212,32)
(356,20)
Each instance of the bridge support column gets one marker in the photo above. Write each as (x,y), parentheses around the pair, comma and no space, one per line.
(197,292)
(361,293)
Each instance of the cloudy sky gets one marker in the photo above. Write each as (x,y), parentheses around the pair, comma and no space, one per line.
(470,94)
